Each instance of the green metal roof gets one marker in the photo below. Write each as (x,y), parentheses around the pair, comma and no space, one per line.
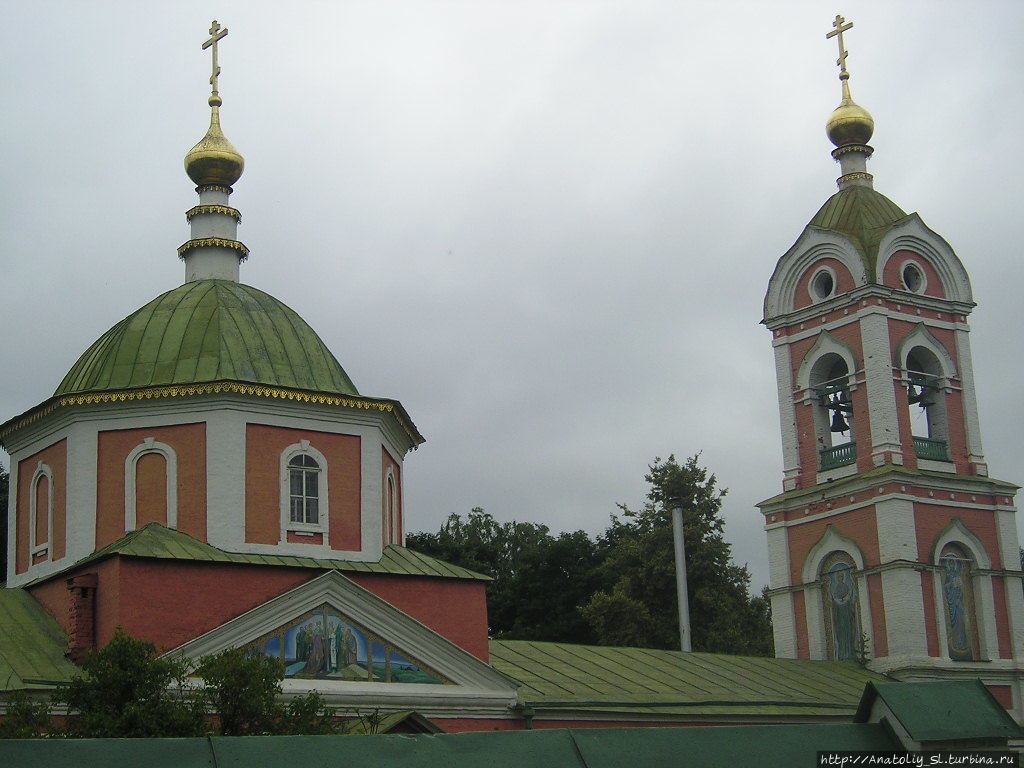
(32,644)
(644,680)
(157,541)
(204,331)
(726,747)
(948,710)
(863,216)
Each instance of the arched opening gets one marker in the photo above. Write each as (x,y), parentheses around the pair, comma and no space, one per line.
(833,411)
(926,402)
(41,513)
(151,489)
(958,599)
(839,606)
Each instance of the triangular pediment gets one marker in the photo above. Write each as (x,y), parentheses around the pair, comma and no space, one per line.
(356,649)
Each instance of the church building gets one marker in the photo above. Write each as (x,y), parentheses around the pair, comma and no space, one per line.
(208,476)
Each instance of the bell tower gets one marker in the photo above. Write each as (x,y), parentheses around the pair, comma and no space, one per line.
(889,542)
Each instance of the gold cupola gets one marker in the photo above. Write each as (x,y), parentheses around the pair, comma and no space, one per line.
(214,160)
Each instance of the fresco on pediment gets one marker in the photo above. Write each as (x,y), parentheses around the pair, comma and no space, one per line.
(325,645)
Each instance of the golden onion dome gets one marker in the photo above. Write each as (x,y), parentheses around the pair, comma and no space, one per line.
(849,124)
(214,160)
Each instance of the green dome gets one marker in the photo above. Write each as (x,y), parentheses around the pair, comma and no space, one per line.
(204,331)
(863,216)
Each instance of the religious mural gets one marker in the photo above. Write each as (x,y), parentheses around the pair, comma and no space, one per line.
(957,595)
(324,645)
(840,597)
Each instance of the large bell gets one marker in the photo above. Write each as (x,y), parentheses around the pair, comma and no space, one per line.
(838,422)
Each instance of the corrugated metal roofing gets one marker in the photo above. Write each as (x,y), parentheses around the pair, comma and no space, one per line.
(564,676)
(204,331)
(32,644)
(157,541)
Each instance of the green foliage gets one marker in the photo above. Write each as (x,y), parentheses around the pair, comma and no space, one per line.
(243,689)
(128,691)
(24,718)
(639,606)
(539,579)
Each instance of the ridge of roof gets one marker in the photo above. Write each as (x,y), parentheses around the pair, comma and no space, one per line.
(159,542)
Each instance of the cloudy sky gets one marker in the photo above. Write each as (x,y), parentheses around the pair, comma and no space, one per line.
(545,227)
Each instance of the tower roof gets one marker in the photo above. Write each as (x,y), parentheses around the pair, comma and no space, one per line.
(204,331)
(863,216)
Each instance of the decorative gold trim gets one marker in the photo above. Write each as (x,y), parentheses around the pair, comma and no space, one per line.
(214,188)
(214,388)
(226,210)
(853,177)
(852,148)
(203,242)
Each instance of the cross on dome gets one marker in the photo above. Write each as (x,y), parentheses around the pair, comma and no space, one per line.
(840,27)
(216,33)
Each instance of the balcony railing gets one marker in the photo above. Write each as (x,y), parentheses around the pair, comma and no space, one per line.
(926,448)
(838,456)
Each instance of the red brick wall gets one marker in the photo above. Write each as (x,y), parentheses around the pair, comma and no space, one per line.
(858,524)
(189,444)
(263,448)
(56,458)
(844,281)
(1003,694)
(800,625)
(891,273)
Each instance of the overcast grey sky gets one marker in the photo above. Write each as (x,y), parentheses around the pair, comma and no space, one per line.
(545,227)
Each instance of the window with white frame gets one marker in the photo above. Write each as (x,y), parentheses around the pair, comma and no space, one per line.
(304,495)
(304,489)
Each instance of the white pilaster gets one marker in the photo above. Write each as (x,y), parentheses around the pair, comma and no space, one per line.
(972,426)
(1009,553)
(784,625)
(225,479)
(904,613)
(787,416)
(83,447)
(882,413)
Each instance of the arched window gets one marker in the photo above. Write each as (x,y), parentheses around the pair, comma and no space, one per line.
(392,532)
(833,411)
(958,599)
(839,599)
(304,494)
(927,403)
(304,489)
(41,511)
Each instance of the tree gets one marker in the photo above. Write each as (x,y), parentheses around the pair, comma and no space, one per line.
(129,691)
(243,689)
(639,606)
(539,579)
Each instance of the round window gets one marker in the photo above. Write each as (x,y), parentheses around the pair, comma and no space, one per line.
(822,284)
(913,277)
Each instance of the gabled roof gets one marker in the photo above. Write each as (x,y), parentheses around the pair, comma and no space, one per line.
(948,710)
(159,542)
(645,680)
(32,644)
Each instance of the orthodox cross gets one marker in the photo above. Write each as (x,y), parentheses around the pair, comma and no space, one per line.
(216,33)
(840,27)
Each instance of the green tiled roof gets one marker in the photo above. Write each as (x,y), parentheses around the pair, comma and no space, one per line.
(948,710)
(205,331)
(32,644)
(644,680)
(863,216)
(161,543)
